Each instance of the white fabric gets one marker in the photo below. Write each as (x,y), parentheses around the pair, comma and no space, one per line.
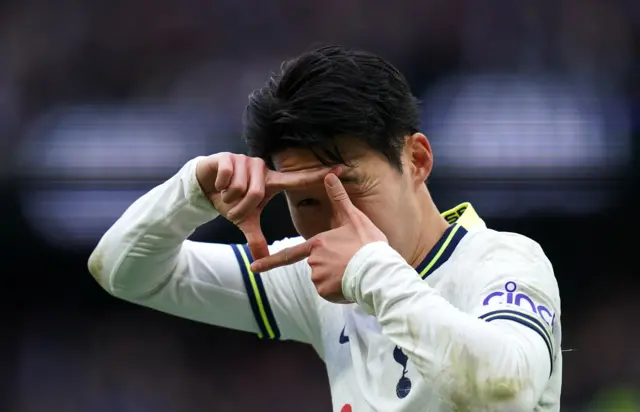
(428,332)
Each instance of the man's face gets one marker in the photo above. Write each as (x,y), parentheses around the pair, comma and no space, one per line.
(375,186)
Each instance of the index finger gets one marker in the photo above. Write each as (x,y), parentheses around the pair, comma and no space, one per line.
(338,196)
(284,257)
(278,181)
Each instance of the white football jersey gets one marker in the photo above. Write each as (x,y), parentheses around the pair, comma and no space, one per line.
(475,327)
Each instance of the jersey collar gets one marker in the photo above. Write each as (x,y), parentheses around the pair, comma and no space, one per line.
(462,218)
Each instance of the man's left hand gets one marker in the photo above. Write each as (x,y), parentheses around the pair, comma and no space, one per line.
(329,252)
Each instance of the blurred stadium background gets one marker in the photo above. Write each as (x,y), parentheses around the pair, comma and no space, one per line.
(532,107)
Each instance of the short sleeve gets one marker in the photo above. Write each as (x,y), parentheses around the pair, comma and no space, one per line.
(284,301)
(514,283)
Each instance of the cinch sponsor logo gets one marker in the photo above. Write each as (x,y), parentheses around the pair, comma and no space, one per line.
(513,297)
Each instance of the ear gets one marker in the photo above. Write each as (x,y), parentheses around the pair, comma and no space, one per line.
(421,157)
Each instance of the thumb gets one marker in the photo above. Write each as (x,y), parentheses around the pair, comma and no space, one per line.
(342,206)
(256,242)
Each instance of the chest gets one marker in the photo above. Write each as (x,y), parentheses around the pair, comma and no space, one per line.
(368,372)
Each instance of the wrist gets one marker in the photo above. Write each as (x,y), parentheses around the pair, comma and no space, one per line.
(196,192)
(357,268)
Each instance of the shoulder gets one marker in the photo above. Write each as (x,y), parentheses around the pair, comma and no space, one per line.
(298,273)
(284,243)
(508,277)
(495,261)
(279,245)
(491,247)
(292,290)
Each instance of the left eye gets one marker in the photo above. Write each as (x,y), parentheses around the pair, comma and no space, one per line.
(307,202)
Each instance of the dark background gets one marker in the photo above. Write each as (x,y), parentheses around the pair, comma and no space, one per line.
(532,108)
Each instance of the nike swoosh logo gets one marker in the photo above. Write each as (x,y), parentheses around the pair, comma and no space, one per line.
(343,338)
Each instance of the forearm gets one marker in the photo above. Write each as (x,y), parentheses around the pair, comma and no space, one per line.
(469,359)
(140,251)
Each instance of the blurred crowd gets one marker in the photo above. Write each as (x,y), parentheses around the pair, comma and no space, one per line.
(216,52)
(78,350)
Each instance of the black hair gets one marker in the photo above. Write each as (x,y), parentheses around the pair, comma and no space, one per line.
(328,93)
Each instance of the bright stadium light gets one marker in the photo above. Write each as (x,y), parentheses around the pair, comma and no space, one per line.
(526,145)
(505,126)
(83,166)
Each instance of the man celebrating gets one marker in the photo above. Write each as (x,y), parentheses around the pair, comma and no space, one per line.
(410,309)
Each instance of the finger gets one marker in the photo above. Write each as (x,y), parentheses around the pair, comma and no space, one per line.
(266,199)
(342,206)
(256,242)
(284,257)
(279,181)
(224,173)
(238,186)
(255,192)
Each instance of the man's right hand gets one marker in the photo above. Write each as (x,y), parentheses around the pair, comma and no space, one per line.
(239,187)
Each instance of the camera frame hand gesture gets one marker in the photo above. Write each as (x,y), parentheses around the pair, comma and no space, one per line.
(329,253)
(239,187)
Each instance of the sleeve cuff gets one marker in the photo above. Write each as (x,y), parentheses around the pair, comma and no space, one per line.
(357,269)
(195,195)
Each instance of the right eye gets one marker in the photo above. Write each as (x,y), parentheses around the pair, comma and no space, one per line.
(307,203)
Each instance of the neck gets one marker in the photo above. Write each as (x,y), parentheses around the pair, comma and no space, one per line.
(428,230)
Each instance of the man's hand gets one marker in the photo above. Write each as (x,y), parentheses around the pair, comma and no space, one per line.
(239,187)
(329,252)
